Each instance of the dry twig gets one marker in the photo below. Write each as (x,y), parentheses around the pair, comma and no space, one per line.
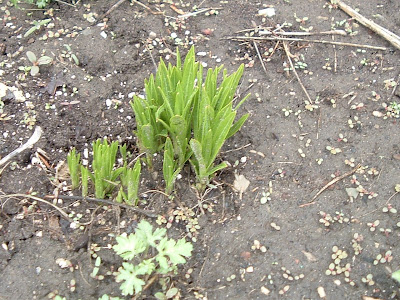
(63,213)
(288,54)
(148,213)
(259,56)
(333,181)
(32,140)
(277,38)
(383,32)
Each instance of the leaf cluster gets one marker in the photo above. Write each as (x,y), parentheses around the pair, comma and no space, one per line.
(106,177)
(187,118)
(146,253)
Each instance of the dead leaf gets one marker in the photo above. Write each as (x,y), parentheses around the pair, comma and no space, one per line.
(240,184)
(310,256)
(370,298)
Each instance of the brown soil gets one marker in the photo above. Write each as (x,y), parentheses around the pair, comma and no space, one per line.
(276,153)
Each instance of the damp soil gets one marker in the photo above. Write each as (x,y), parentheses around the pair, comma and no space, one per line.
(273,241)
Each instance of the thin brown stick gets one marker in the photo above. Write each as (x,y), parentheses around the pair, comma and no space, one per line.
(148,8)
(259,56)
(277,38)
(112,8)
(333,181)
(303,33)
(237,149)
(386,203)
(147,213)
(383,32)
(288,54)
(63,213)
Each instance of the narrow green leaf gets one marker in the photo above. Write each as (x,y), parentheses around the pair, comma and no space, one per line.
(236,127)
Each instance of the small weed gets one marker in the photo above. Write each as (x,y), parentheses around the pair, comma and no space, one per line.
(34,69)
(36,26)
(68,54)
(148,255)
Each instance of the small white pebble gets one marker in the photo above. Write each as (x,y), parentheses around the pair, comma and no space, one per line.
(250,269)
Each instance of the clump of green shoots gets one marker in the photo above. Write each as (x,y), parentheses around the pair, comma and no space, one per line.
(106,177)
(148,255)
(187,118)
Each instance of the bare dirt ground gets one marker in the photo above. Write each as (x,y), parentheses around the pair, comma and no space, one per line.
(281,238)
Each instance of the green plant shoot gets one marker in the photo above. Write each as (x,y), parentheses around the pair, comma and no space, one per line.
(130,179)
(104,176)
(36,26)
(85,180)
(213,123)
(171,168)
(73,160)
(167,108)
(148,252)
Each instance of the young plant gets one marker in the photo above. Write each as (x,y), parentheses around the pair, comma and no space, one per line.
(85,180)
(196,117)
(130,182)
(73,160)
(148,254)
(36,26)
(213,123)
(171,168)
(167,109)
(43,60)
(104,175)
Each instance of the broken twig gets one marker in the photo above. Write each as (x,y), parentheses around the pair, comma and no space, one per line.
(277,38)
(148,213)
(301,33)
(63,213)
(285,46)
(32,140)
(259,56)
(383,32)
(332,182)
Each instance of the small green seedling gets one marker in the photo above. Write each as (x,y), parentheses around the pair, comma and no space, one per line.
(36,26)
(34,69)
(171,168)
(73,160)
(69,55)
(130,178)
(148,254)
